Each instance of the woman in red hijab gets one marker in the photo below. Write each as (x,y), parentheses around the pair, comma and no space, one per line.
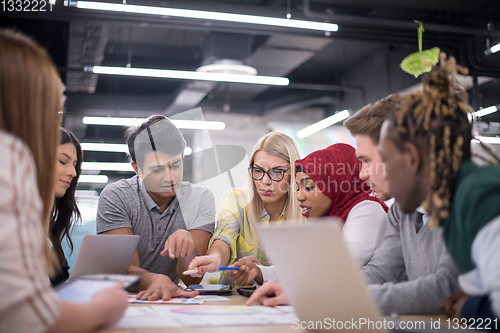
(329,185)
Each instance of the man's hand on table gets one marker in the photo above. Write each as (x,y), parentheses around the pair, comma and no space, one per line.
(161,287)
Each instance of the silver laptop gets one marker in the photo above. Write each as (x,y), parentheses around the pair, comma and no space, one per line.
(317,272)
(322,280)
(104,254)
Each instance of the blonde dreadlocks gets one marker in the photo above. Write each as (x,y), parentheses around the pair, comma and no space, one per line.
(439,115)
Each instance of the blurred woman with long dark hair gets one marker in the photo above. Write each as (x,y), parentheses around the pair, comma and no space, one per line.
(65,213)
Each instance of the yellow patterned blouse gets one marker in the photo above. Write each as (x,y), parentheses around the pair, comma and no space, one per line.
(233,228)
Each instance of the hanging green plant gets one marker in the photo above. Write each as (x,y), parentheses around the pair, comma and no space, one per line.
(420,62)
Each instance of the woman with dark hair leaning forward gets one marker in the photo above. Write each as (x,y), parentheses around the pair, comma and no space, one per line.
(65,213)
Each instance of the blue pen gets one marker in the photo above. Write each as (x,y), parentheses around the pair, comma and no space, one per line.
(221,268)
(227,268)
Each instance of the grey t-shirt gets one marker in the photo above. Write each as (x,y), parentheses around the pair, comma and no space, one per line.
(127,204)
(410,272)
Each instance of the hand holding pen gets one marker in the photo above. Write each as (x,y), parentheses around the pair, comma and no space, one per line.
(248,272)
(220,268)
(204,264)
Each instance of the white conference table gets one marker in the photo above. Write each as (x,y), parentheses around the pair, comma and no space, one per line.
(236,299)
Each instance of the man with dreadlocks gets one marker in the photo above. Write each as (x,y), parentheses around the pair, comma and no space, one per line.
(425,144)
(411,271)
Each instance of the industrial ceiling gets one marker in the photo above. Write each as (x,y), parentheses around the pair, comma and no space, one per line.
(346,69)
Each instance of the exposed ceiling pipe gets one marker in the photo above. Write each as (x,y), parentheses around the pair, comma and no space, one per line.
(330,87)
(280,109)
(86,47)
(67,14)
(383,22)
(285,53)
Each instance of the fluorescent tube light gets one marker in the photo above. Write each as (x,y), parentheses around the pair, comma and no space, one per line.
(185,124)
(190,75)
(117,148)
(113,121)
(107,166)
(199,125)
(86,193)
(205,15)
(485,111)
(322,124)
(495,48)
(99,179)
(107,147)
(488,139)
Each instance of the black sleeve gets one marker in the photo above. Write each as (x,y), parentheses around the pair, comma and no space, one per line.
(479,307)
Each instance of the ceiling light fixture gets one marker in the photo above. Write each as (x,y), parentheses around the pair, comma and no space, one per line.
(228,66)
(485,111)
(204,15)
(189,75)
(322,124)
(86,194)
(105,147)
(99,179)
(107,166)
(182,124)
(116,148)
(493,49)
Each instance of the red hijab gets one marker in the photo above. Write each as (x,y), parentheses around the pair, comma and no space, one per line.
(335,170)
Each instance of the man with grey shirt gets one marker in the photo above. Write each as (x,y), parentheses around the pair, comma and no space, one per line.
(175,219)
(411,271)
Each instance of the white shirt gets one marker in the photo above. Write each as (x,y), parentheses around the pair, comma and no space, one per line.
(363,230)
(27,302)
(425,217)
(485,278)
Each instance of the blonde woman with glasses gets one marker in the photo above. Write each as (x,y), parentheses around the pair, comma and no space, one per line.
(268,197)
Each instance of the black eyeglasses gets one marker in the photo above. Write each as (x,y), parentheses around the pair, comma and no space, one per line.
(274,174)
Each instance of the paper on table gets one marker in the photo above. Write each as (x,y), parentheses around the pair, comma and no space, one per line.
(286,308)
(210,310)
(227,315)
(237,320)
(144,316)
(212,298)
(140,311)
(180,300)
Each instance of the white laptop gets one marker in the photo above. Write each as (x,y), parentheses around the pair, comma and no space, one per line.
(321,278)
(104,254)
